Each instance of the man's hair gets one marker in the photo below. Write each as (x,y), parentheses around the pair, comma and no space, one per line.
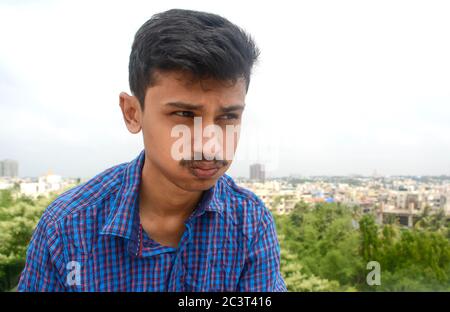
(205,45)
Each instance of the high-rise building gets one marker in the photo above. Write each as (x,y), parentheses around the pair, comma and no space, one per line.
(257,172)
(9,168)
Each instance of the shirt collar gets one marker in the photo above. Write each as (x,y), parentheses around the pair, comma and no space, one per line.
(123,219)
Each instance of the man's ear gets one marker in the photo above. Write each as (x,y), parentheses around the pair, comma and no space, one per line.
(131,112)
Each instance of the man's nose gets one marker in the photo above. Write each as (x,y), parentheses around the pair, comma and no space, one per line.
(208,140)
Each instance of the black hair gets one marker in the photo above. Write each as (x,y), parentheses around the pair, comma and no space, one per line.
(203,44)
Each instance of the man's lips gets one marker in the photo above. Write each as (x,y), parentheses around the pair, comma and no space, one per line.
(204,170)
(205,167)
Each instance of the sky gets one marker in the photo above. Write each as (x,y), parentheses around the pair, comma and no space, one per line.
(341,87)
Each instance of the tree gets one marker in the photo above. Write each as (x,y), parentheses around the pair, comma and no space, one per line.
(322,242)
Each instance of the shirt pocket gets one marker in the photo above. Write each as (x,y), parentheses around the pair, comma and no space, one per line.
(205,272)
(219,273)
(228,266)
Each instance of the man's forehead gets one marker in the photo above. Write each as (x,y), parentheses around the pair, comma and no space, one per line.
(187,80)
(226,108)
(176,87)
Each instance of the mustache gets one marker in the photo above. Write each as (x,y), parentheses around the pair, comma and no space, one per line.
(200,163)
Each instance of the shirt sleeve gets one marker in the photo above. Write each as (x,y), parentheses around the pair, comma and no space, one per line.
(262,268)
(40,273)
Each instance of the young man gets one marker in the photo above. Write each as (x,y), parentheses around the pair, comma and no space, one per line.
(164,222)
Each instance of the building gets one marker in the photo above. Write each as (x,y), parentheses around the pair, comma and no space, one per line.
(257,173)
(9,168)
(43,185)
(6,183)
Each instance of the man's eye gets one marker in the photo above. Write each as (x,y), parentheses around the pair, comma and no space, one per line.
(229,116)
(184,114)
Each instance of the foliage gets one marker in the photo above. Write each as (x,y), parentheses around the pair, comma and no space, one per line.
(324,247)
(333,243)
(18,218)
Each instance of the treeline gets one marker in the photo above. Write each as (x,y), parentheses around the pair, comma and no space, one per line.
(326,247)
(18,218)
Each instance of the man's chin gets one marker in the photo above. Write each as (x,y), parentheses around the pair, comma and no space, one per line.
(194,186)
(199,182)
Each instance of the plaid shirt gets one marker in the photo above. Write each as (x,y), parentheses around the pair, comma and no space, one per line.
(91,239)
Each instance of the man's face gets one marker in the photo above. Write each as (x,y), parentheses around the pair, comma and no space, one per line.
(175,102)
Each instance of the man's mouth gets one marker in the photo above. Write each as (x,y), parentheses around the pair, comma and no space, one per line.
(204,171)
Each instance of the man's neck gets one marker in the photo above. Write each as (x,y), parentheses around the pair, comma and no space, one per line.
(161,198)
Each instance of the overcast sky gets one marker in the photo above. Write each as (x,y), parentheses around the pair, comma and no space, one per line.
(342,87)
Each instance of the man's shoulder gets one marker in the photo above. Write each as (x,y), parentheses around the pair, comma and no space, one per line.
(231,188)
(91,193)
(245,207)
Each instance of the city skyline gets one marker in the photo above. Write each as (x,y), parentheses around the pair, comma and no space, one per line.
(256,172)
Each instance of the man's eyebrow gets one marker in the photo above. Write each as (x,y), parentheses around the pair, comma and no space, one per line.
(232,108)
(190,106)
(183,105)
